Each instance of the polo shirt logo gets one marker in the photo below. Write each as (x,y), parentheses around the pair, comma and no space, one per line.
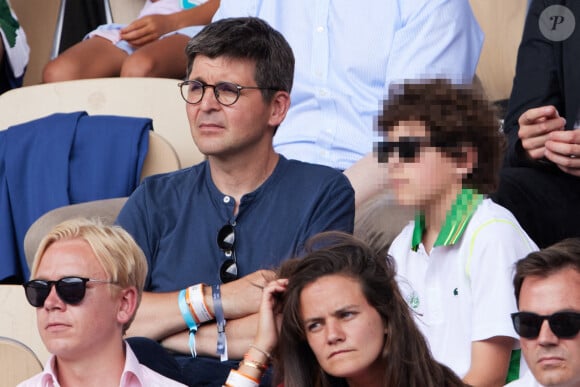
(455,292)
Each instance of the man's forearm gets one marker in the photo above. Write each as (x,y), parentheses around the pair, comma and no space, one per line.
(158,316)
(239,332)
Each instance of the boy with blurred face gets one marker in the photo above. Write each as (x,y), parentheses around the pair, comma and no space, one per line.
(442,150)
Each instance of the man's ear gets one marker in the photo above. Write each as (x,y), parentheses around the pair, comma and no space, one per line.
(279,107)
(127,304)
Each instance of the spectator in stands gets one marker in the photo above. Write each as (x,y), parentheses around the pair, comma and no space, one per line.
(343,322)
(454,261)
(87,284)
(14,50)
(153,45)
(246,208)
(540,180)
(348,53)
(547,289)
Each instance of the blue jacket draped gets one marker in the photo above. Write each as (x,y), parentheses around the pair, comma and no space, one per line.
(62,159)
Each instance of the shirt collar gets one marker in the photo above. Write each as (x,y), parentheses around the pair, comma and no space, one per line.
(132,375)
(456,220)
(48,377)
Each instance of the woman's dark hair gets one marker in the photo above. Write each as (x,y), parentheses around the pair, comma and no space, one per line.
(407,359)
(455,116)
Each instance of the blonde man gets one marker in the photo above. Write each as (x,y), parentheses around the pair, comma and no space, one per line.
(87,281)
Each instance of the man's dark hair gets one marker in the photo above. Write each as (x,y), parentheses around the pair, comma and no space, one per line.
(562,255)
(247,38)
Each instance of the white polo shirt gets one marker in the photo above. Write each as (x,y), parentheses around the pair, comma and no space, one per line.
(462,291)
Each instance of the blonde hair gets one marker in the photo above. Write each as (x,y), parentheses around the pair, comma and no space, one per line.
(117,253)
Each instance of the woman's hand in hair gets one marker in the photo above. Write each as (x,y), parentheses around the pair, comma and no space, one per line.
(270,318)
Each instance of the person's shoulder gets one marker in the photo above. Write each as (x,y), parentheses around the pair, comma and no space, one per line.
(489,210)
(312,171)
(40,379)
(495,225)
(155,379)
(175,177)
(402,242)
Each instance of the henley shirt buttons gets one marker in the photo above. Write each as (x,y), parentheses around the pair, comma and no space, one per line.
(226,199)
(320,29)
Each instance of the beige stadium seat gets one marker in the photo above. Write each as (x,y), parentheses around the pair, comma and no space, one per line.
(156,98)
(39,20)
(125,11)
(502,22)
(17,362)
(18,322)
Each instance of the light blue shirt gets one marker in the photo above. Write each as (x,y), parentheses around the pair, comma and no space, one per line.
(348,53)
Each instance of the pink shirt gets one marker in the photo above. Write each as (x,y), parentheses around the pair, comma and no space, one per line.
(134,374)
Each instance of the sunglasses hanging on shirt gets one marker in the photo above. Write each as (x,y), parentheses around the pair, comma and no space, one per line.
(226,239)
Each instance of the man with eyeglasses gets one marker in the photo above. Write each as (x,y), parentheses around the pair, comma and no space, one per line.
(547,289)
(209,229)
(87,281)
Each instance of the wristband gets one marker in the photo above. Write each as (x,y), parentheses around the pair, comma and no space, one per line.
(222,343)
(195,300)
(189,321)
(238,379)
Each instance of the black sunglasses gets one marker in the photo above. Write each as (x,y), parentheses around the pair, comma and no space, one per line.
(70,290)
(408,149)
(565,325)
(225,239)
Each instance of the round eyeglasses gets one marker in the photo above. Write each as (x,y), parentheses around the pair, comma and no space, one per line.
(226,93)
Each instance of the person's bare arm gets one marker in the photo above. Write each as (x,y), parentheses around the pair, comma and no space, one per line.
(150,28)
(489,362)
(367,177)
(239,333)
(159,316)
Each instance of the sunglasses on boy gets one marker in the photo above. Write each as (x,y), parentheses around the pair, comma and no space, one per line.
(225,240)
(71,290)
(564,325)
(408,149)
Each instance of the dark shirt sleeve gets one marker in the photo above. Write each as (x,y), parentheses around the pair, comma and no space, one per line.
(537,83)
(133,217)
